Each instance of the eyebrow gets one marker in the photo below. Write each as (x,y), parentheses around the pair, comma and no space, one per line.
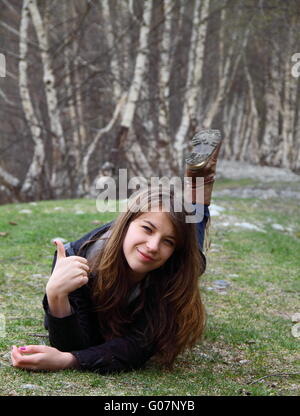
(154,226)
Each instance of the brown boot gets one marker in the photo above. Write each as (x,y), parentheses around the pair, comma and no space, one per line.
(202,162)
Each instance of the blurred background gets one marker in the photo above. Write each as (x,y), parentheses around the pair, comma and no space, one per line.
(97,85)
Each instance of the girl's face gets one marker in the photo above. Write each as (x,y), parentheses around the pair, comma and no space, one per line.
(149,242)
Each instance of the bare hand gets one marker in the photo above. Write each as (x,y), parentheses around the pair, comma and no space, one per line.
(69,273)
(41,357)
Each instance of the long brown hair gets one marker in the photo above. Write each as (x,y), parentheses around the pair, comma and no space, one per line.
(173,307)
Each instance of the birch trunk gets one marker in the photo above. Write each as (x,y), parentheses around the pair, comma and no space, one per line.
(164,134)
(138,160)
(250,149)
(10,182)
(239,127)
(289,103)
(59,177)
(270,145)
(68,59)
(83,187)
(195,65)
(31,182)
(228,64)
(296,162)
(78,138)
(229,115)
(111,41)
(137,81)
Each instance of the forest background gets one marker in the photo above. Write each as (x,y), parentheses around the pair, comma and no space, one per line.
(94,86)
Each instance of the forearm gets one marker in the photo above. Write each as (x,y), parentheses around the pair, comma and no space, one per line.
(70,361)
(59,305)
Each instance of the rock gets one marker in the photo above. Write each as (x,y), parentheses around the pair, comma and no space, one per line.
(248,226)
(245,225)
(215,210)
(244,361)
(278,227)
(296,330)
(40,276)
(25,211)
(296,317)
(30,387)
(221,284)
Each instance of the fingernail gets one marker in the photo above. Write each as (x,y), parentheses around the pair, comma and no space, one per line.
(22,348)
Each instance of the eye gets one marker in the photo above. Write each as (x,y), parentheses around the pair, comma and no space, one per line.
(148,229)
(170,243)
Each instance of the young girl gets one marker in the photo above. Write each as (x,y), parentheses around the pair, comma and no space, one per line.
(129,290)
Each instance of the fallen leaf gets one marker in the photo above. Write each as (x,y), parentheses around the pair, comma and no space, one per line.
(12,223)
(3,234)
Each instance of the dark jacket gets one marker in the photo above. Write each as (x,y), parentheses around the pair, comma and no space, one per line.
(80,333)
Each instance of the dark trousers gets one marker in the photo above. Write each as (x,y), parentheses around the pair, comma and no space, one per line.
(200,226)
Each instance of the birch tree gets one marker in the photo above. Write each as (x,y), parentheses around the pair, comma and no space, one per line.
(270,146)
(134,91)
(30,185)
(164,133)
(289,101)
(194,74)
(227,67)
(59,176)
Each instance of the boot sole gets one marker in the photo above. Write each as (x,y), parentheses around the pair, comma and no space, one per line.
(204,143)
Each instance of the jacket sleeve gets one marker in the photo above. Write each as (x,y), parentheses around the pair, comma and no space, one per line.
(79,334)
(76,330)
(119,354)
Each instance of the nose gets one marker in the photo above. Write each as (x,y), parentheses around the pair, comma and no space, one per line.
(153,244)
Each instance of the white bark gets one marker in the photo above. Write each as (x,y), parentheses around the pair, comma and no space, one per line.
(58,140)
(229,115)
(250,149)
(139,70)
(136,84)
(164,137)
(69,54)
(195,65)
(35,169)
(270,146)
(111,41)
(164,72)
(289,104)
(138,160)
(84,183)
(7,179)
(228,64)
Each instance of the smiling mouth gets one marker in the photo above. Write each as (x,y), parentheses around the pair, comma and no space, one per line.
(144,256)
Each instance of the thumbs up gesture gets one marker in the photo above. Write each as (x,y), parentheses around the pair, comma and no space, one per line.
(69,273)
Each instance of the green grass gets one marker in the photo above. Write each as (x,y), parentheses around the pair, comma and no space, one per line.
(248,334)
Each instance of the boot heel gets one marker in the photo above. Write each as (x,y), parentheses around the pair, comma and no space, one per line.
(204,143)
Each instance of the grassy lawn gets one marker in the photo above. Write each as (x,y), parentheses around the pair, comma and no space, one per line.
(248,348)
